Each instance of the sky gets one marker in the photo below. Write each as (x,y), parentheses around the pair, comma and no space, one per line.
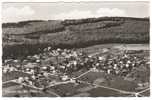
(14,12)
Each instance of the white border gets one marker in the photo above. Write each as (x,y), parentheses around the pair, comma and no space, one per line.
(65,0)
(75,98)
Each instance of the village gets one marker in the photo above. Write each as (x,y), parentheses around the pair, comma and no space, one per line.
(58,66)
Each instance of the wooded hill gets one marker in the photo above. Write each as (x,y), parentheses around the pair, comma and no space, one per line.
(28,37)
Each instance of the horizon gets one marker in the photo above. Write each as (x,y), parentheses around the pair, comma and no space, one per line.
(72,19)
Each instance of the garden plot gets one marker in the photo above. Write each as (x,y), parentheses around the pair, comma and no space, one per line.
(70,89)
(8,84)
(103,92)
(92,76)
(146,93)
(101,79)
(78,73)
(13,75)
(13,89)
(123,84)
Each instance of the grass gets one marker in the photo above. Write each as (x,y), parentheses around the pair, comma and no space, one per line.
(9,84)
(92,76)
(146,94)
(13,75)
(123,84)
(66,90)
(63,89)
(102,92)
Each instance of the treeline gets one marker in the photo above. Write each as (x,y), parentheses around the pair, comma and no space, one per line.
(35,27)
(36,35)
(74,21)
(22,50)
(97,25)
(93,20)
(19,24)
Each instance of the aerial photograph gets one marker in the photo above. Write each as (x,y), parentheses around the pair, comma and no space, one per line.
(76,49)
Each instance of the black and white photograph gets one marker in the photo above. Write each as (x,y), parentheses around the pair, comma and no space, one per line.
(76,49)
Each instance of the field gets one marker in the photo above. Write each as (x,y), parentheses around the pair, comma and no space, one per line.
(84,81)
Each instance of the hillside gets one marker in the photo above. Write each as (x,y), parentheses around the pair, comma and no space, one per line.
(29,37)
